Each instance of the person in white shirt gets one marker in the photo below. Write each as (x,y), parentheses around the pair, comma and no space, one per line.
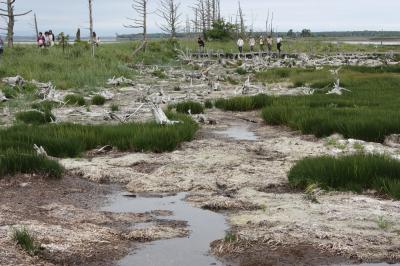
(252,43)
(261,43)
(279,44)
(240,44)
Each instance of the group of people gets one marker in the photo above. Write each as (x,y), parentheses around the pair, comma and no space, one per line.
(262,41)
(46,40)
(252,44)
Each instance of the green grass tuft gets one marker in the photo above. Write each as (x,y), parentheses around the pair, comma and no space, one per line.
(74,99)
(35,117)
(114,108)
(349,173)
(244,103)
(25,239)
(194,107)
(98,100)
(208,104)
(20,161)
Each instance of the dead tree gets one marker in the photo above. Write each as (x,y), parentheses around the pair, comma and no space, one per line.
(91,38)
(36,24)
(140,6)
(169,12)
(202,16)
(242,26)
(8,13)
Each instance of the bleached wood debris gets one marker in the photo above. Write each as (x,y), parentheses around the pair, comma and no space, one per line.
(40,151)
(120,81)
(2,97)
(337,89)
(160,116)
(14,81)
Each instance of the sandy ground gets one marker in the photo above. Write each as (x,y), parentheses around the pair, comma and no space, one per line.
(62,215)
(247,181)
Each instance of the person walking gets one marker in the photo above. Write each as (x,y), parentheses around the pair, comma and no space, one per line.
(261,43)
(52,38)
(240,44)
(41,40)
(270,42)
(201,44)
(252,43)
(95,39)
(279,44)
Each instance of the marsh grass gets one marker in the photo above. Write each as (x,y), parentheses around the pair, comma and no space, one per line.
(71,140)
(369,112)
(35,117)
(230,237)
(26,240)
(23,161)
(74,99)
(244,103)
(114,107)
(356,173)
(208,104)
(382,223)
(194,107)
(299,77)
(98,100)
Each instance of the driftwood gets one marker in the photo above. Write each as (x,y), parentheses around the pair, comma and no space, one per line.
(160,116)
(120,81)
(40,151)
(2,97)
(337,89)
(14,81)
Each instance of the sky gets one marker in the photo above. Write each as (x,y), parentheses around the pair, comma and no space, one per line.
(110,16)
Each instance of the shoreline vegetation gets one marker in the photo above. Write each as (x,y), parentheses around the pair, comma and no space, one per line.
(74,67)
(72,140)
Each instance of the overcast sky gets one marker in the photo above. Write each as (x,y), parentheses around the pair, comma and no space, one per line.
(317,15)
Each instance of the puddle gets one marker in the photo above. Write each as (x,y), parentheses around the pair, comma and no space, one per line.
(205,227)
(239,133)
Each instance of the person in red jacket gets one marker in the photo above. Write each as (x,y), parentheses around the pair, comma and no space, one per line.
(41,41)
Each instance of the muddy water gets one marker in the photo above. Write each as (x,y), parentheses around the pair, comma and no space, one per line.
(205,226)
(238,132)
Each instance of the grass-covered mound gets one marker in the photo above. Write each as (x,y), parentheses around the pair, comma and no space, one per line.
(349,173)
(244,103)
(26,162)
(194,107)
(35,117)
(369,112)
(71,140)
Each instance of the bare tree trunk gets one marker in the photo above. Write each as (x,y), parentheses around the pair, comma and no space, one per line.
(36,25)
(92,41)
(8,12)
(140,6)
(169,12)
(241,17)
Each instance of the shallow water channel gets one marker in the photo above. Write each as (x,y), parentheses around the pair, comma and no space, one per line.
(205,227)
(238,132)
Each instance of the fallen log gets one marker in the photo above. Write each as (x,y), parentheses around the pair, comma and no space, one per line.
(14,81)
